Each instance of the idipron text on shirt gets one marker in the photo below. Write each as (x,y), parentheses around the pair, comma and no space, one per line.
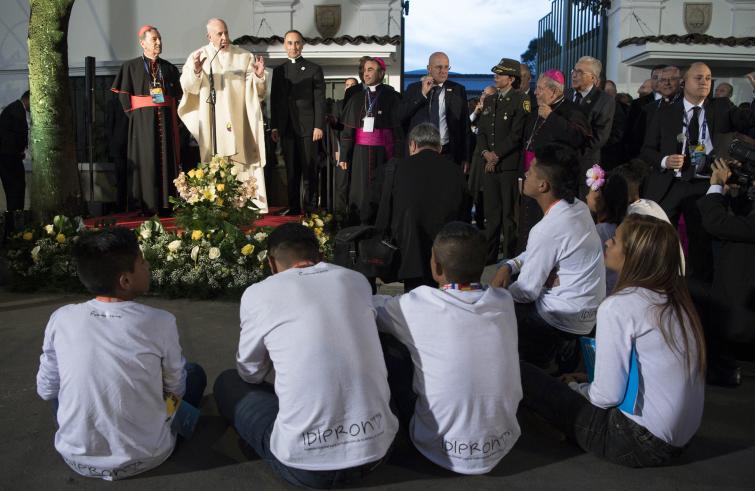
(349,432)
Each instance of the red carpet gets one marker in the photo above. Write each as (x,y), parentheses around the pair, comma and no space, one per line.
(132,220)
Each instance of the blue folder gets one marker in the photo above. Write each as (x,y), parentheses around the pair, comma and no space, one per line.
(628,404)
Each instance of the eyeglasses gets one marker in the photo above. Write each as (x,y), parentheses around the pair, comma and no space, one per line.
(576,71)
(668,80)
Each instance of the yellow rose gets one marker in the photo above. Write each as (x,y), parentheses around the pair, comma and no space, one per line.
(247,249)
(219,201)
(220,187)
(28,236)
(318,222)
(196,235)
(192,173)
(60,238)
(199,173)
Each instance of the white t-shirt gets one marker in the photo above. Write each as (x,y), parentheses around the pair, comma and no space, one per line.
(316,327)
(466,372)
(108,364)
(565,240)
(670,399)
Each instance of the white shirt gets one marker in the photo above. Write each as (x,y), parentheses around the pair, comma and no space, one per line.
(670,399)
(466,372)
(315,327)
(583,92)
(565,240)
(108,365)
(707,141)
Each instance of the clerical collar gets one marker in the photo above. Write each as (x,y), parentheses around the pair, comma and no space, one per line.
(293,60)
(557,102)
(372,88)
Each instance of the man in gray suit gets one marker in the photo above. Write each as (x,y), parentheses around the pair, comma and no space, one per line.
(598,106)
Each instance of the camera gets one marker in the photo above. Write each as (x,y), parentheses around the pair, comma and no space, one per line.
(741,151)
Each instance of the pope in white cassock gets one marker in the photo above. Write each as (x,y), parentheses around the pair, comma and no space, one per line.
(240,86)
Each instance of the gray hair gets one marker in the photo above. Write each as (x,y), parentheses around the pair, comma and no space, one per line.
(552,84)
(595,65)
(215,20)
(425,135)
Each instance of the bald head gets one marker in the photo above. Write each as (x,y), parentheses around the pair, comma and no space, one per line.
(438,66)
(697,82)
(217,33)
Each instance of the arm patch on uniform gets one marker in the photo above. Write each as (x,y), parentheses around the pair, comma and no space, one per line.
(526,105)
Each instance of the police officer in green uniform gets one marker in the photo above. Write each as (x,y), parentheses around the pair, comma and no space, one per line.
(501,128)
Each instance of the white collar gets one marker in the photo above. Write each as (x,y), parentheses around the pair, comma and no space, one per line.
(688,105)
(657,95)
(293,60)
(372,88)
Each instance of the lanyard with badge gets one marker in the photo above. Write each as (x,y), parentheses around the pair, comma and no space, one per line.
(369,119)
(697,155)
(156,85)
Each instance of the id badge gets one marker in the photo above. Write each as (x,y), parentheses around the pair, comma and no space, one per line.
(157,95)
(369,125)
(698,158)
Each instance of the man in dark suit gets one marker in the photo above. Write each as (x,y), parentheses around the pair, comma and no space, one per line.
(669,90)
(501,127)
(677,142)
(423,192)
(297,101)
(633,140)
(442,102)
(526,88)
(14,138)
(596,104)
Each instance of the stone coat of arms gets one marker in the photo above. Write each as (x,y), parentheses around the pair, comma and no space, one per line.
(697,17)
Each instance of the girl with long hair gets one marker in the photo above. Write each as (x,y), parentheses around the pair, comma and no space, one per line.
(649,326)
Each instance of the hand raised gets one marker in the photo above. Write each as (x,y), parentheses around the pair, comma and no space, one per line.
(259,66)
(198,60)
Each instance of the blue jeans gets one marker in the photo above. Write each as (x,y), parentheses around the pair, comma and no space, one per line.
(196,381)
(606,433)
(252,410)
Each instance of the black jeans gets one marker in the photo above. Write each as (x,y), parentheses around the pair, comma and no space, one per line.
(252,409)
(606,433)
(543,345)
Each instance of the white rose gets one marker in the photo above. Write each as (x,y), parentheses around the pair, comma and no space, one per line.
(194,253)
(35,254)
(50,229)
(262,255)
(174,246)
(260,236)
(214,253)
(318,222)
(145,233)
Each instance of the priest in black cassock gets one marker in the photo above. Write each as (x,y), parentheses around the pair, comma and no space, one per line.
(371,136)
(148,88)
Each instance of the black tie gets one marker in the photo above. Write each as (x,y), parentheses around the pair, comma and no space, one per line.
(435,106)
(578,97)
(694,127)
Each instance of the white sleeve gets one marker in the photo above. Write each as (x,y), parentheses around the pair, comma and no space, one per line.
(613,347)
(190,81)
(390,318)
(252,359)
(542,255)
(48,378)
(173,362)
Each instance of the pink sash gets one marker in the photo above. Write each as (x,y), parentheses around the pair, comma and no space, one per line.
(382,137)
(528,158)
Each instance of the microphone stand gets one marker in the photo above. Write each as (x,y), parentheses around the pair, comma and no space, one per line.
(211,100)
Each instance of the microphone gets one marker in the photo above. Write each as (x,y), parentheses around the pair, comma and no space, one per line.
(680,139)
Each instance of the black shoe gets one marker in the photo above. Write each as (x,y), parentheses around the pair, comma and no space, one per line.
(724,376)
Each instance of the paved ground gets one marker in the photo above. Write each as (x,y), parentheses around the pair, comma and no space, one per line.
(722,456)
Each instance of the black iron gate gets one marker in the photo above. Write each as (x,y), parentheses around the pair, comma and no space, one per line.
(570,31)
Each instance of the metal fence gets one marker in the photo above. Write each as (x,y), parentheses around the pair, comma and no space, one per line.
(568,33)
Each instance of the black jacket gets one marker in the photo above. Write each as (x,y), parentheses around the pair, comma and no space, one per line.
(297,98)
(415,110)
(721,116)
(599,108)
(566,125)
(633,138)
(14,132)
(733,291)
(426,192)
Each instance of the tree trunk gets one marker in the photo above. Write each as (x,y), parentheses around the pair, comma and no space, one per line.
(54,182)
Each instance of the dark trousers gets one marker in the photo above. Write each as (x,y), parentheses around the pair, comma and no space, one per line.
(529,214)
(543,345)
(606,433)
(398,362)
(13,176)
(341,195)
(300,155)
(500,192)
(681,199)
(252,409)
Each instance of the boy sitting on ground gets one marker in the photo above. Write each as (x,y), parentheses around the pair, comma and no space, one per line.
(460,397)
(109,365)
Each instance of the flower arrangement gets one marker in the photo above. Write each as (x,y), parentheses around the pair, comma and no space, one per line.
(194,263)
(596,177)
(212,196)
